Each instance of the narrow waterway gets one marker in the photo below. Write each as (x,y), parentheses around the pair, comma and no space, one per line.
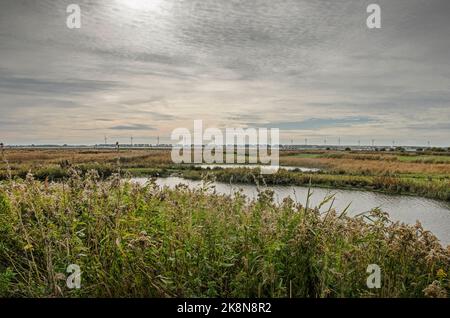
(254,166)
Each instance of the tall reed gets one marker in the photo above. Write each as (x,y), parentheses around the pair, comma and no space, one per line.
(144,241)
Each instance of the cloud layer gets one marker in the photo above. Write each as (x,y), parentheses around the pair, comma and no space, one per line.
(142,68)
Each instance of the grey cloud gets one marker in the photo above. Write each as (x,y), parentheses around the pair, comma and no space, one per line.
(317,123)
(297,63)
(161,116)
(436,126)
(23,85)
(132,127)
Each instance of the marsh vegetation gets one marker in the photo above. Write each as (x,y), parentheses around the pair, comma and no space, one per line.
(147,241)
(74,207)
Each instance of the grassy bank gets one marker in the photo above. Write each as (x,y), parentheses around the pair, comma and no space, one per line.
(145,241)
(54,164)
(436,188)
(423,174)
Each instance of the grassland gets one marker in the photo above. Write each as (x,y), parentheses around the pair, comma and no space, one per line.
(424,174)
(150,242)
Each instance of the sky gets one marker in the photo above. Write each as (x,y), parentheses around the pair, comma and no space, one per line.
(142,68)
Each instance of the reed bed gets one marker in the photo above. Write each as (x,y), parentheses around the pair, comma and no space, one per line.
(144,241)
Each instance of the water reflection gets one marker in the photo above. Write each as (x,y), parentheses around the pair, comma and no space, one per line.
(254,166)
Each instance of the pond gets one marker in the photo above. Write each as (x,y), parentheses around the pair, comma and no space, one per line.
(434,215)
(254,166)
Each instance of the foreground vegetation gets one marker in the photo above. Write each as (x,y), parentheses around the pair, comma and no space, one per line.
(149,242)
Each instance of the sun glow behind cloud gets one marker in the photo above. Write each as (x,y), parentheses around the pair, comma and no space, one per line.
(141,5)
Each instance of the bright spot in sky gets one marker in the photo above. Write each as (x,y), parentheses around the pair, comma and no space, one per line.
(143,5)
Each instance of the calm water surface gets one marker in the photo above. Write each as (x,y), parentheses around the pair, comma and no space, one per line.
(253,166)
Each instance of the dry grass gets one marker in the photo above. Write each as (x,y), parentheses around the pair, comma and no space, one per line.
(368,165)
(348,163)
(377,171)
(54,156)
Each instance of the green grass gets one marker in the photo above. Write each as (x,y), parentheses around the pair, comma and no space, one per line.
(149,242)
(431,187)
(306,155)
(424,159)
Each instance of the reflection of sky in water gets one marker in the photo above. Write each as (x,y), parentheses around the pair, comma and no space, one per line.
(434,215)
(253,166)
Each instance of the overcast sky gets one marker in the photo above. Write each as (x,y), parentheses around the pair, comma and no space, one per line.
(142,68)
